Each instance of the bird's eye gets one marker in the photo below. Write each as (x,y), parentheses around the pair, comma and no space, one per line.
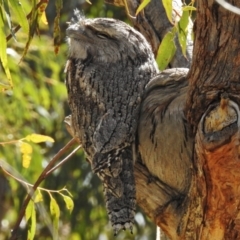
(101,35)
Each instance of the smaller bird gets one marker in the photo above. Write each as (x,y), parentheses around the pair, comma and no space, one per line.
(164,138)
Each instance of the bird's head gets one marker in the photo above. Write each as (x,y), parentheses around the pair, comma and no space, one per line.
(104,39)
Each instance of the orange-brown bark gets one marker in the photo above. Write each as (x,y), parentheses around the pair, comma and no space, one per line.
(212,109)
(217,145)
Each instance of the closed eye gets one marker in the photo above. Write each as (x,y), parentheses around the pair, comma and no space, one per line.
(102,36)
(99,34)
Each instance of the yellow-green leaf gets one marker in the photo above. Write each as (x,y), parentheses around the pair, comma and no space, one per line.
(42,13)
(3,47)
(88,2)
(143,4)
(55,227)
(26,160)
(54,208)
(166,50)
(69,203)
(29,209)
(167,4)
(32,231)
(25,148)
(38,138)
(20,15)
(33,26)
(188,8)
(183,31)
(44,18)
(38,197)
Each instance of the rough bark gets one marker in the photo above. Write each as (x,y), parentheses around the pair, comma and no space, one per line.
(216,58)
(213,110)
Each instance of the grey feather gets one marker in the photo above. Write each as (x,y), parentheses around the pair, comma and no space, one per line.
(108,66)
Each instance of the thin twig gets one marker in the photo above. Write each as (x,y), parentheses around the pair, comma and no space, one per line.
(64,160)
(229,6)
(43,175)
(27,184)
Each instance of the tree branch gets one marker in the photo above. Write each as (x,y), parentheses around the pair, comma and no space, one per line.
(228,6)
(48,170)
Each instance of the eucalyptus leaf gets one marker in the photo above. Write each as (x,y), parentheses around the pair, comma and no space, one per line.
(166,50)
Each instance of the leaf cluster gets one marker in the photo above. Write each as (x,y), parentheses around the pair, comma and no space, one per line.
(181,29)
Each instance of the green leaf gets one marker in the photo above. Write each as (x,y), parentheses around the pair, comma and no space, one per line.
(30,213)
(166,50)
(3,47)
(33,225)
(8,15)
(20,15)
(142,6)
(29,209)
(69,202)
(54,208)
(183,31)
(33,23)
(167,4)
(189,8)
(55,228)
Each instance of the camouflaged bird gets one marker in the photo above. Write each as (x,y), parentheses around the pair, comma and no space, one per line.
(108,66)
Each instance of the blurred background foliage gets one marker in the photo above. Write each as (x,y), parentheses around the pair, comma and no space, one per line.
(38,104)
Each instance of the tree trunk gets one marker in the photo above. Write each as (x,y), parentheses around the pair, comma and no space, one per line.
(208,207)
(213,110)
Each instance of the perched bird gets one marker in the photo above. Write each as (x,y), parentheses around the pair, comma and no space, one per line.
(164,138)
(108,66)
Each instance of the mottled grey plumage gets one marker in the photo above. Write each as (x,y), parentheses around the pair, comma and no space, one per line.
(108,66)
(165,139)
